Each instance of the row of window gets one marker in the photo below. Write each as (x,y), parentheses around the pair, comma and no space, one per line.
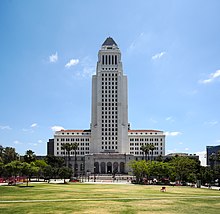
(109,59)
(73,139)
(110,116)
(137,144)
(110,87)
(115,79)
(139,148)
(109,147)
(109,104)
(141,153)
(76,133)
(146,139)
(109,91)
(108,69)
(78,153)
(109,108)
(110,143)
(109,129)
(142,133)
(109,74)
(79,148)
(79,144)
(109,138)
(109,133)
(110,100)
(109,112)
(109,83)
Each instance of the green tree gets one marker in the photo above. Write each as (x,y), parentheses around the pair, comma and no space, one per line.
(29,169)
(29,156)
(41,164)
(146,149)
(64,148)
(183,166)
(151,148)
(13,168)
(65,172)
(9,154)
(140,169)
(75,147)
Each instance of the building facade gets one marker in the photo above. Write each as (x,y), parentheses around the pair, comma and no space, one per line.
(213,155)
(109,144)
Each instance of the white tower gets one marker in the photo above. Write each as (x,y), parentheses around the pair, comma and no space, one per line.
(109,121)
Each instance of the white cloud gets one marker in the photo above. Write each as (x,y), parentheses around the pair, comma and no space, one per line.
(202,157)
(211,123)
(34,125)
(172,133)
(186,149)
(136,42)
(211,78)
(57,128)
(72,62)
(158,55)
(53,58)
(17,142)
(218,141)
(170,119)
(87,68)
(5,127)
(40,141)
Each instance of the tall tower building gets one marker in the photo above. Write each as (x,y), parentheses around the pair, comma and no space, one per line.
(109,125)
(109,144)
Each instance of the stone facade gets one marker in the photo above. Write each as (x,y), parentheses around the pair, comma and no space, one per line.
(109,144)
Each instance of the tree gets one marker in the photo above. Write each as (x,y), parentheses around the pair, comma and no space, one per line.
(13,169)
(29,169)
(146,149)
(9,154)
(41,164)
(54,161)
(75,147)
(152,148)
(29,156)
(64,148)
(65,172)
(183,167)
(140,169)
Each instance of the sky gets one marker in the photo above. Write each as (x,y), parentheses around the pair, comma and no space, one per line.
(170,54)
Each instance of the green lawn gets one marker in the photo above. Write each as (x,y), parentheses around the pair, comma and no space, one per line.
(107,198)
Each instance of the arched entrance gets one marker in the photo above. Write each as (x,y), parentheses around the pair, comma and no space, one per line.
(122,167)
(115,167)
(103,168)
(96,167)
(109,167)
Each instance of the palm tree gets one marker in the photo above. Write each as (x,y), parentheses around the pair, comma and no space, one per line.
(9,155)
(63,147)
(146,149)
(69,147)
(75,147)
(152,148)
(29,156)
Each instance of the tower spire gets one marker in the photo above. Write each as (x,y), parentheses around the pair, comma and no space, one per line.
(109,42)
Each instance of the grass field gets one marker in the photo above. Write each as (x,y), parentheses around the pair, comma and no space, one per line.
(107,198)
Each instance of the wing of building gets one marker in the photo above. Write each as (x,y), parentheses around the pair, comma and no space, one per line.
(109,144)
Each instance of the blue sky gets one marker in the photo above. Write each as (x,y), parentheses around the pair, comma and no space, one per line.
(170,53)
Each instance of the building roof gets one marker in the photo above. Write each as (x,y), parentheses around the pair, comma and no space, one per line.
(87,130)
(144,131)
(109,42)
